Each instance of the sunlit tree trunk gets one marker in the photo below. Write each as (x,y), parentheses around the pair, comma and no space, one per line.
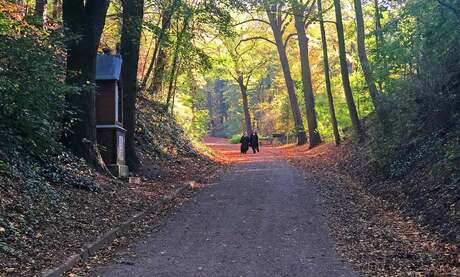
(312,123)
(162,58)
(244,94)
(277,34)
(174,89)
(158,61)
(133,13)
(174,67)
(376,96)
(356,124)
(327,77)
(87,20)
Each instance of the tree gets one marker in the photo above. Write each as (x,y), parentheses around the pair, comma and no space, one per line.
(133,13)
(276,22)
(243,63)
(327,77)
(376,97)
(158,61)
(84,22)
(162,58)
(39,11)
(356,124)
(176,56)
(299,9)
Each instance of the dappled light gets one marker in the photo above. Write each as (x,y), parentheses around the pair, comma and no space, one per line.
(229,138)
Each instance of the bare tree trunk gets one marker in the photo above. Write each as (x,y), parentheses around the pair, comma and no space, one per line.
(244,94)
(175,88)
(365,65)
(133,13)
(327,76)
(356,124)
(315,138)
(87,20)
(277,34)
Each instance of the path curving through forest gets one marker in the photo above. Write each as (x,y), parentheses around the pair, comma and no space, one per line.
(259,219)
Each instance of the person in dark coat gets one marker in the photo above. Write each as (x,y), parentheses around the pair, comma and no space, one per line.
(245,140)
(254,142)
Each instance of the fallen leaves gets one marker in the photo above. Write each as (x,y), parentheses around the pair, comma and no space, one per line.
(374,235)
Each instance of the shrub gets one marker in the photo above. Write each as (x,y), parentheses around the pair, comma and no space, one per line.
(32,89)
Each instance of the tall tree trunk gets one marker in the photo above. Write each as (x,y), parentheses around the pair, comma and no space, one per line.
(277,34)
(162,58)
(356,124)
(175,88)
(133,14)
(244,94)
(312,123)
(165,26)
(327,77)
(174,70)
(365,65)
(378,25)
(85,19)
(39,11)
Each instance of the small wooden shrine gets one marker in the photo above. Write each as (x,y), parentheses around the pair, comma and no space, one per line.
(109,113)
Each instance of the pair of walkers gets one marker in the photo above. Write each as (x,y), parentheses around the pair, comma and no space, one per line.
(249,141)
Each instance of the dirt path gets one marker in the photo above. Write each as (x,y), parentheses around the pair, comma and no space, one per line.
(260,219)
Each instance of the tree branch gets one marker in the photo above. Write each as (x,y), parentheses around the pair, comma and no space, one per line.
(251,20)
(254,38)
(288,38)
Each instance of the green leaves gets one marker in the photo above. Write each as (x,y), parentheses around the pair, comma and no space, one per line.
(32,91)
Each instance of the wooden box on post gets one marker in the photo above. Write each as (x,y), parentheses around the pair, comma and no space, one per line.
(109,113)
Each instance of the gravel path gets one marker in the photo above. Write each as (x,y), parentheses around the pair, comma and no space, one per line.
(260,219)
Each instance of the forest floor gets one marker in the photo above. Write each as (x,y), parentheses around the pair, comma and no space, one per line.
(378,237)
(47,213)
(286,210)
(264,217)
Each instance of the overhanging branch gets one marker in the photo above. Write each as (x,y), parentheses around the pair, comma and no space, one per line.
(288,38)
(254,38)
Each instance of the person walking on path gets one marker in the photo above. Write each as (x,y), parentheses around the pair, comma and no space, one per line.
(254,142)
(245,140)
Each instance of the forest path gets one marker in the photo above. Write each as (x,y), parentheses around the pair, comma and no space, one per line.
(260,219)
